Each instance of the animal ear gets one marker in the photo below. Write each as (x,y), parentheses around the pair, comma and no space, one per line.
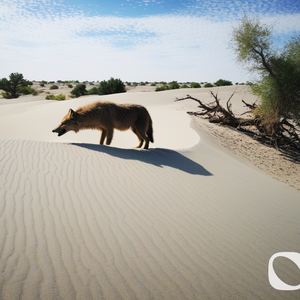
(72,113)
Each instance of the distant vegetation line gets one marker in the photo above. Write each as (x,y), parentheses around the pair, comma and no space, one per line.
(16,86)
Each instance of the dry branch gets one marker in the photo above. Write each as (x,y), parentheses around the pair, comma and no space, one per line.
(286,135)
(216,113)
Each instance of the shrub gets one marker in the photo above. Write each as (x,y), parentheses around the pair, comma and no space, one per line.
(57,97)
(143,83)
(173,85)
(79,90)
(153,84)
(184,86)
(93,91)
(111,86)
(42,84)
(195,85)
(223,82)
(207,85)
(26,90)
(161,88)
(60,97)
(6,95)
(53,87)
(70,86)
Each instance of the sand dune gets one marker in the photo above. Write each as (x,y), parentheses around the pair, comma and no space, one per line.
(182,220)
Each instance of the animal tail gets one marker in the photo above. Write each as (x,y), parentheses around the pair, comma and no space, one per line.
(150,131)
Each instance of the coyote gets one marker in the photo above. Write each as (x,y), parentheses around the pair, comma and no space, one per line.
(106,116)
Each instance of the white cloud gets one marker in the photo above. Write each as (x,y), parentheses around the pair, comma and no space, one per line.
(47,43)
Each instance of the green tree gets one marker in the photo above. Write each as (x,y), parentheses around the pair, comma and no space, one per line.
(184,86)
(161,88)
(292,49)
(195,85)
(279,86)
(93,91)
(26,90)
(11,86)
(79,90)
(111,86)
(173,85)
(207,85)
(223,82)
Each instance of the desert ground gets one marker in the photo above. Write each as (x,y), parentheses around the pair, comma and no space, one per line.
(196,216)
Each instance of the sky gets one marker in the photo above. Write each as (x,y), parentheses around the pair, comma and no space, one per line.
(134,40)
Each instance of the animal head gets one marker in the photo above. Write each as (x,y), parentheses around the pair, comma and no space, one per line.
(69,122)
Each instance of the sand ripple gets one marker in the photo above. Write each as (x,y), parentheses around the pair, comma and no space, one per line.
(83,221)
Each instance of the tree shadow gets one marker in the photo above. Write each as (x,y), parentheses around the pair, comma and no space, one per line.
(158,156)
(288,150)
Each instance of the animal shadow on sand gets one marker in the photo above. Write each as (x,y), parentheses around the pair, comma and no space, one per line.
(156,156)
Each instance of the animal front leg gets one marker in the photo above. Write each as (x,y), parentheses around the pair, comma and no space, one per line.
(103,136)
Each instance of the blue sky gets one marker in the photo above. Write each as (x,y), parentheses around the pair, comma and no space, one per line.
(145,40)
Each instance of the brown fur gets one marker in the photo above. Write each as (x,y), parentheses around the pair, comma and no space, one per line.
(107,116)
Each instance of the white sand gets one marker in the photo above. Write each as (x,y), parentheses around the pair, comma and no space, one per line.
(185,219)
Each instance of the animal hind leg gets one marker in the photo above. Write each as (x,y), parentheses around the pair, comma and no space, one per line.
(103,136)
(110,133)
(142,133)
(139,137)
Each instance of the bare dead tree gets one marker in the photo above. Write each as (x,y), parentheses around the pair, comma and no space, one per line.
(216,113)
(286,136)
